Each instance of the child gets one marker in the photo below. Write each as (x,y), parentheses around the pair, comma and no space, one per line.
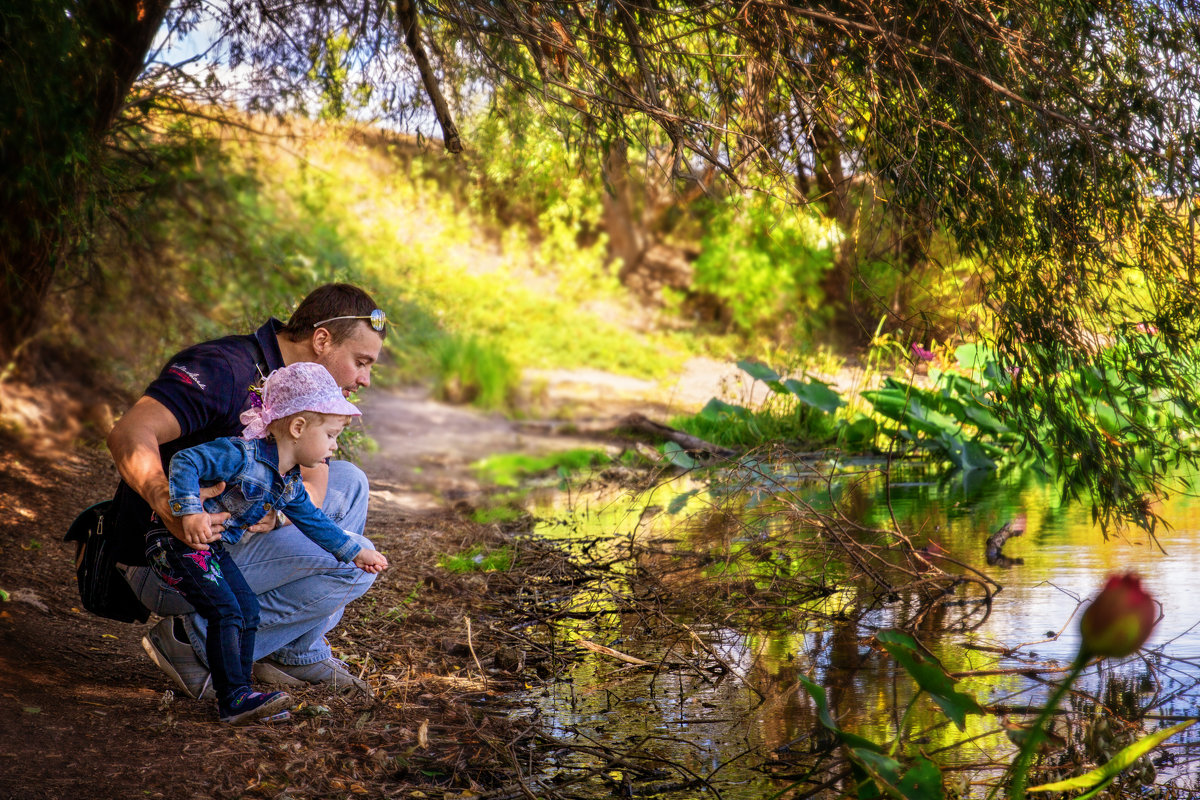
(302,411)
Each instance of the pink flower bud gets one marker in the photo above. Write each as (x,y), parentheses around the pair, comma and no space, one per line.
(1120,619)
(921,353)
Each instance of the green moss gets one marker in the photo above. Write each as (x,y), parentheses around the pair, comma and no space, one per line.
(478,559)
(486,516)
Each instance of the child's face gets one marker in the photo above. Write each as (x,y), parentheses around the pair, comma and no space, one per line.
(318,440)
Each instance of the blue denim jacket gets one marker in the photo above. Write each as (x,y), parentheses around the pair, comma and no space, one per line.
(253,487)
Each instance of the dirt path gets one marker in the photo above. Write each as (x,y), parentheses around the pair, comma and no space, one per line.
(426,448)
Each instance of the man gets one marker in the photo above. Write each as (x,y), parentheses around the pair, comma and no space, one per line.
(199,396)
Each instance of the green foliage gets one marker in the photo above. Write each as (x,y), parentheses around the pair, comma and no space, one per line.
(961,416)
(878,772)
(955,419)
(470,370)
(930,676)
(764,261)
(330,75)
(479,559)
(795,411)
(1098,779)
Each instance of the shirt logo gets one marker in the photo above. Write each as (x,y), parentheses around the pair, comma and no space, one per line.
(187,376)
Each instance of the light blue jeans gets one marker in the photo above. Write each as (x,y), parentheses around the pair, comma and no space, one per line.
(302,590)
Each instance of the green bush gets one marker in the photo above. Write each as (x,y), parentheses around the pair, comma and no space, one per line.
(764,262)
(470,370)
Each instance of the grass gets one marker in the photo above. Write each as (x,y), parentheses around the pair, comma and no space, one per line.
(500,514)
(740,428)
(509,469)
(479,559)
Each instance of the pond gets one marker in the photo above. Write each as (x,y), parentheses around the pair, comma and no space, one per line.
(749,729)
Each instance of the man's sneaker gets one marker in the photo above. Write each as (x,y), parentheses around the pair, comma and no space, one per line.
(169,648)
(249,706)
(329,671)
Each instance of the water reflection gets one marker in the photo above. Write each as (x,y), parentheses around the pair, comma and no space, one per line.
(745,726)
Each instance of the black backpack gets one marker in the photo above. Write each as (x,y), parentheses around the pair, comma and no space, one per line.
(102,588)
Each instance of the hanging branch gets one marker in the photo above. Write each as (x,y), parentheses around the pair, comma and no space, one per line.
(406,10)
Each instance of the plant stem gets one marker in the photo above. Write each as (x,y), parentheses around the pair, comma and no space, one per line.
(1037,734)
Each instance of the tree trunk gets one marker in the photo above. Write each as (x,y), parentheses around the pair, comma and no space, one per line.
(76,72)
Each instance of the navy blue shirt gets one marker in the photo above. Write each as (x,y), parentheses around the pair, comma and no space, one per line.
(206,387)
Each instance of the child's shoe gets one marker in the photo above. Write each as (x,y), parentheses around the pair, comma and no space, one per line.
(248,706)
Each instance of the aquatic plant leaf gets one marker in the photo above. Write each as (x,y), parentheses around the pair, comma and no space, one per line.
(849,739)
(678,456)
(679,501)
(761,372)
(882,772)
(815,394)
(918,421)
(972,356)
(930,676)
(858,435)
(985,420)
(715,410)
(890,402)
(923,781)
(1095,791)
(1117,763)
(966,455)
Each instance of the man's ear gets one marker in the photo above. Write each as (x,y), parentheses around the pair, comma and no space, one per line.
(322,340)
(296,426)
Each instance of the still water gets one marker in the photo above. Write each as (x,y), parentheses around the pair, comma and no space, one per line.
(741,733)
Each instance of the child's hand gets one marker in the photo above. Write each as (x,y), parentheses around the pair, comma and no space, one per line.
(196,531)
(371,561)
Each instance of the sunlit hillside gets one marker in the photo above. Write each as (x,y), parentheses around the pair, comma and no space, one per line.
(491,264)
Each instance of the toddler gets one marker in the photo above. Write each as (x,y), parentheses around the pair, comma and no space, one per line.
(295,424)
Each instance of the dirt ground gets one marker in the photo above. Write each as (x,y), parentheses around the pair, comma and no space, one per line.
(85,714)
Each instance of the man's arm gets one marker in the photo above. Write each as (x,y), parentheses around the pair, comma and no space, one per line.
(134,443)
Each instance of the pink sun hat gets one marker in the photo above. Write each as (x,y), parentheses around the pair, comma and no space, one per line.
(303,386)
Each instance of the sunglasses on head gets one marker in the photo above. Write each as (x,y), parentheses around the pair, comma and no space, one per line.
(377,318)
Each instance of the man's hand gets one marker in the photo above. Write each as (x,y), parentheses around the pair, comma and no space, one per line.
(197,530)
(370,561)
(267,523)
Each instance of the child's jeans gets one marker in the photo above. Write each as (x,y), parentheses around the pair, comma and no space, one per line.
(213,584)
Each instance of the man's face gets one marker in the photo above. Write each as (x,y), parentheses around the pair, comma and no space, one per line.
(349,361)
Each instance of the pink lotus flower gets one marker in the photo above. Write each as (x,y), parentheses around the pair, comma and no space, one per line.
(1120,619)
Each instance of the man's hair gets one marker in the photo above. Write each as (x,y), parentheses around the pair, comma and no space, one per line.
(326,302)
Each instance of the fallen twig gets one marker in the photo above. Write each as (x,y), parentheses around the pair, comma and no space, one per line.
(608,651)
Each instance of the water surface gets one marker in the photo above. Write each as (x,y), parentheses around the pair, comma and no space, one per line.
(741,729)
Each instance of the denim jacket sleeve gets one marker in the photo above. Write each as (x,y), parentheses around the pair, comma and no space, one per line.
(218,460)
(312,522)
